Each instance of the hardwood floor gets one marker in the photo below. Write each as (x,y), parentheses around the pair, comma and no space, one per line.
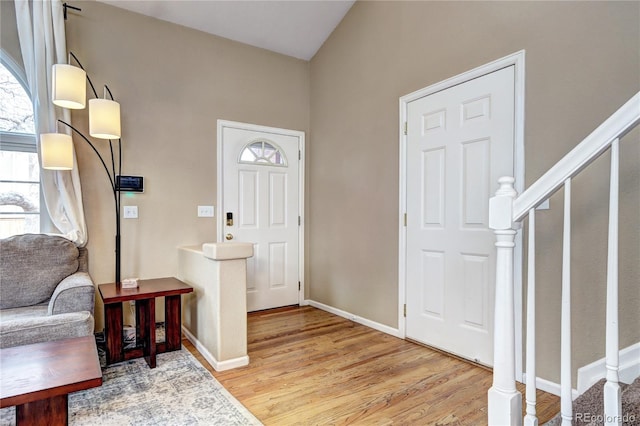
(309,367)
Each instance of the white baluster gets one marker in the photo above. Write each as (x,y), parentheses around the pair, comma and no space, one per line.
(504,400)
(612,394)
(566,401)
(531,419)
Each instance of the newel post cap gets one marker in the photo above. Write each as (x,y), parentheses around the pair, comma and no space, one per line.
(501,205)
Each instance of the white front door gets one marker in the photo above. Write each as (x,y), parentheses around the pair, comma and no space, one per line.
(260,204)
(459,142)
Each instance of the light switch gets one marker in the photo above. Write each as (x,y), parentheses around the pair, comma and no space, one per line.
(205,211)
(544,205)
(130,212)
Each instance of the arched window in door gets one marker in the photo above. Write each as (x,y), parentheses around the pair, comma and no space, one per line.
(263,152)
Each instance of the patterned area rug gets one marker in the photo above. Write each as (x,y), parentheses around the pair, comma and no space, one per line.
(179,391)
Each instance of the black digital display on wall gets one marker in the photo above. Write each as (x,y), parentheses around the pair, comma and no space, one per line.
(130,183)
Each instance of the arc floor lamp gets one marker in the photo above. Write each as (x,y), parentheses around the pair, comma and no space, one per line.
(69,87)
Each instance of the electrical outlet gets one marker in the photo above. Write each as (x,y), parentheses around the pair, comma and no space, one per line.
(130,212)
(205,211)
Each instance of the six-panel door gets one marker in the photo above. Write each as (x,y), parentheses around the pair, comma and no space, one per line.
(459,142)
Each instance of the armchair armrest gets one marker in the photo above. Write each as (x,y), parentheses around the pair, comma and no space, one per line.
(74,293)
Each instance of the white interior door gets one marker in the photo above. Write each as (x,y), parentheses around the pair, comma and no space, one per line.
(459,142)
(260,204)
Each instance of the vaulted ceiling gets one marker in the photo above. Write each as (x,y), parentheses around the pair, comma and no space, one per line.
(294,28)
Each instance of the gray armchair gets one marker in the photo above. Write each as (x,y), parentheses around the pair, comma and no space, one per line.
(45,291)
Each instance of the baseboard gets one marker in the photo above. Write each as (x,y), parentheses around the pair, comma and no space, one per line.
(549,386)
(344,314)
(217,365)
(232,363)
(589,374)
(629,368)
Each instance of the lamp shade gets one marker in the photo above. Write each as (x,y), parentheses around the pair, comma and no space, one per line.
(57,151)
(104,119)
(69,86)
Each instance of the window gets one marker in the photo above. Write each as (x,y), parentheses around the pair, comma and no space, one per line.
(19,167)
(264,152)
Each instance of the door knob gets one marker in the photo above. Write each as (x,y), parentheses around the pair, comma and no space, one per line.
(229,236)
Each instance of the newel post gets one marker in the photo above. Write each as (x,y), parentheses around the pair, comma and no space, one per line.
(504,400)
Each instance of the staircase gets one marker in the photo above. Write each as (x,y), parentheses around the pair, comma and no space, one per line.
(589,410)
(507,212)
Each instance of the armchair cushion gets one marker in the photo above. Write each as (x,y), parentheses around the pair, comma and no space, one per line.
(24,330)
(32,267)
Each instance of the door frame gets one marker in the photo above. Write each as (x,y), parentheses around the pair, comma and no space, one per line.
(222,124)
(518,61)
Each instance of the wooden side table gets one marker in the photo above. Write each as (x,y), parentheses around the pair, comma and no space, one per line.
(145,296)
(37,378)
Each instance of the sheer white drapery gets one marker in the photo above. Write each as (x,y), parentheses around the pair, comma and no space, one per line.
(42,41)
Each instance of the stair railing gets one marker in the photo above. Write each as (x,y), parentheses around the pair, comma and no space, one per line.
(507,210)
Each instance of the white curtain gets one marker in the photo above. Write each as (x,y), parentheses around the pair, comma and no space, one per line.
(42,41)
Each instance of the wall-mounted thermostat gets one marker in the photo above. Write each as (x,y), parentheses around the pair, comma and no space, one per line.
(130,183)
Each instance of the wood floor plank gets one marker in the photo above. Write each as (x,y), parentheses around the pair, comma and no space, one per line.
(309,367)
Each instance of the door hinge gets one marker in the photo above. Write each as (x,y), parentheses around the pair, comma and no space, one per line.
(405,127)
(299,155)
(299,220)
(405,219)
(405,310)
(299,285)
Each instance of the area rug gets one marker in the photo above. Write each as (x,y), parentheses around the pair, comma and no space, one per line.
(179,391)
